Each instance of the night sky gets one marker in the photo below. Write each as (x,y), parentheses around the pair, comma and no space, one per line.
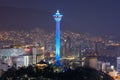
(97,17)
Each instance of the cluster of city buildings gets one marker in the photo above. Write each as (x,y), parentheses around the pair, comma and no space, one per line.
(18,48)
(72,44)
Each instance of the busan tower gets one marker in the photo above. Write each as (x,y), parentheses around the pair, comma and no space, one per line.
(57,16)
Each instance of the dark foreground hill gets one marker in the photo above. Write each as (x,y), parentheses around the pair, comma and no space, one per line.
(80,73)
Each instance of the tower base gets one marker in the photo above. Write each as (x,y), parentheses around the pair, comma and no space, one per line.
(58,67)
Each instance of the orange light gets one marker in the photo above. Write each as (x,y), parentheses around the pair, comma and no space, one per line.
(27,49)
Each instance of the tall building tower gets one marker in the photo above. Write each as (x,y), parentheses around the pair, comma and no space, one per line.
(57,16)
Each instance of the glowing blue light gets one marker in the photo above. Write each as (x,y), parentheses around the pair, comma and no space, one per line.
(57,18)
(57,41)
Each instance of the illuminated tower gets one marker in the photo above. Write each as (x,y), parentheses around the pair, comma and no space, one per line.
(57,16)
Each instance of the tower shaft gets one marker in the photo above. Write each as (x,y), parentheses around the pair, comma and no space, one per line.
(57,41)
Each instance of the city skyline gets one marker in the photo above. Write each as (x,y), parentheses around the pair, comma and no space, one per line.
(36,37)
(94,17)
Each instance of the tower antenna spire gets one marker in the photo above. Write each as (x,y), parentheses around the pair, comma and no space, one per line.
(57,11)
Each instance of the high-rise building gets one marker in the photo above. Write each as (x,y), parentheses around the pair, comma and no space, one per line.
(118,64)
(91,61)
(67,46)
